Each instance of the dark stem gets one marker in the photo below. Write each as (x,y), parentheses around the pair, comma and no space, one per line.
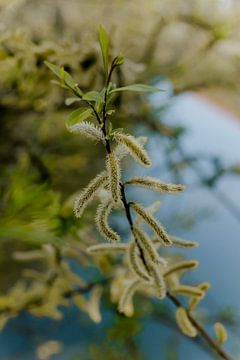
(215,346)
(126,206)
(104,111)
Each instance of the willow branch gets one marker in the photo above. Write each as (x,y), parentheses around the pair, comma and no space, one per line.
(213,345)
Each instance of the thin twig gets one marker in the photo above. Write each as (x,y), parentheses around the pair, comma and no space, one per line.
(215,346)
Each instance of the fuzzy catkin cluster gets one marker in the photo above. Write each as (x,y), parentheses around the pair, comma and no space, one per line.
(147,268)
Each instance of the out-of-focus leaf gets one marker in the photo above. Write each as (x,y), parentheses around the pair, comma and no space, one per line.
(92,96)
(104,43)
(54,68)
(71,100)
(79,115)
(137,88)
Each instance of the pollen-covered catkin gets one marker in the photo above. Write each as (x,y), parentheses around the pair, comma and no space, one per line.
(221,332)
(187,290)
(134,262)
(183,243)
(145,243)
(181,266)
(107,248)
(134,148)
(158,280)
(114,171)
(88,130)
(155,185)
(153,223)
(127,295)
(184,323)
(195,300)
(102,215)
(89,192)
(120,151)
(154,207)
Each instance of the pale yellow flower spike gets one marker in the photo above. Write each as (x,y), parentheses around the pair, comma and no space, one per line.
(102,215)
(89,192)
(181,266)
(107,248)
(145,243)
(134,148)
(134,262)
(195,300)
(153,223)
(120,151)
(184,323)
(114,171)
(221,332)
(127,295)
(183,243)
(155,185)
(87,129)
(187,290)
(158,280)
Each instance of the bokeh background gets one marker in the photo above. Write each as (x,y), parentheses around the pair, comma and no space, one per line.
(191,50)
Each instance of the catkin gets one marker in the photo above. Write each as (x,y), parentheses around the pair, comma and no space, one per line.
(106,248)
(134,263)
(153,223)
(158,281)
(220,332)
(114,171)
(145,243)
(134,148)
(183,243)
(187,290)
(195,300)
(87,129)
(184,323)
(181,266)
(127,295)
(204,286)
(121,151)
(102,215)
(155,185)
(93,304)
(151,209)
(89,192)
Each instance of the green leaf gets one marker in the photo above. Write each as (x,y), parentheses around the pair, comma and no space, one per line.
(62,72)
(71,83)
(69,80)
(104,44)
(110,127)
(79,115)
(137,87)
(54,68)
(92,96)
(100,102)
(59,84)
(71,100)
(64,76)
(110,111)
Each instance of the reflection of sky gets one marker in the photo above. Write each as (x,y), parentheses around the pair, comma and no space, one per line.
(210,131)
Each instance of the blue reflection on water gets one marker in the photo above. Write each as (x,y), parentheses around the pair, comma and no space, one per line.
(211,132)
